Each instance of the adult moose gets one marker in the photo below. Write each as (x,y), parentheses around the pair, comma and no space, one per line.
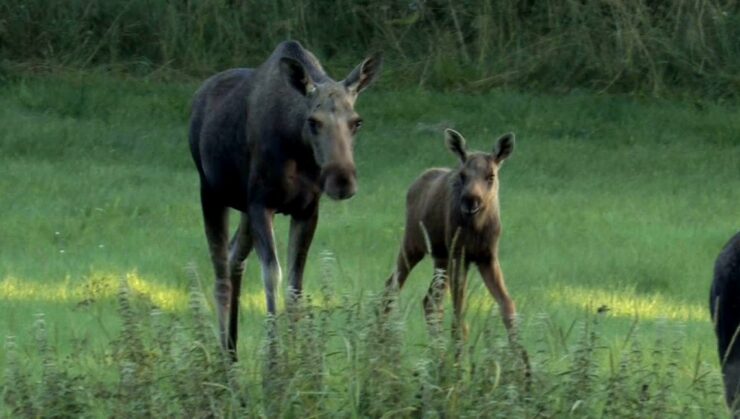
(454,214)
(724,303)
(271,140)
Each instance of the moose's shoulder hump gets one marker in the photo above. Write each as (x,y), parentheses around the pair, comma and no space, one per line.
(290,48)
(222,85)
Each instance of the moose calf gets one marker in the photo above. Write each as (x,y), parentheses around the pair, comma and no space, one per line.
(454,215)
(724,303)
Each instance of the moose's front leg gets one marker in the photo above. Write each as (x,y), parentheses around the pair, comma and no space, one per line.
(494,280)
(458,288)
(492,276)
(260,221)
(302,229)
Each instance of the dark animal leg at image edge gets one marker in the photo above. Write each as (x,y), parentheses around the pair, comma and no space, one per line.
(724,301)
(732,369)
(732,344)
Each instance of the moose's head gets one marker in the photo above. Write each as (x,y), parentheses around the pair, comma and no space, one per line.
(331,122)
(475,181)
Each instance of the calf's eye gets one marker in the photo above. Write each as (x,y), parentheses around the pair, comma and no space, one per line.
(355,125)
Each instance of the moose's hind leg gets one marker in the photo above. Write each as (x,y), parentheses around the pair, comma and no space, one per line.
(241,246)
(216,221)
(434,300)
(407,258)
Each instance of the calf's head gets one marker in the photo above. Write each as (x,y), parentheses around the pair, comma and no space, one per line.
(475,181)
(331,123)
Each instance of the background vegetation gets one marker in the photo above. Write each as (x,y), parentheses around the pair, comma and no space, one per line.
(645,46)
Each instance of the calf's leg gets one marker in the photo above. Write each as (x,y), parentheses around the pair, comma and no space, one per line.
(458,286)
(494,280)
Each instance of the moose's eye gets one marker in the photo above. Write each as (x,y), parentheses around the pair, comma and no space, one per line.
(462,177)
(314,125)
(355,125)
(490,177)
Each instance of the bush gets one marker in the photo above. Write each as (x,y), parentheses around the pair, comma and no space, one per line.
(611,45)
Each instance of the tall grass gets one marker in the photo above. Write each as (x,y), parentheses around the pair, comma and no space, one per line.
(607,202)
(613,45)
(170,365)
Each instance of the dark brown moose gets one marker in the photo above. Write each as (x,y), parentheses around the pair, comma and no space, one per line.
(724,303)
(454,214)
(270,140)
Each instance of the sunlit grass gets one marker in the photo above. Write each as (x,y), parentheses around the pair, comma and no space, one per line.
(101,286)
(606,202)
(627,303)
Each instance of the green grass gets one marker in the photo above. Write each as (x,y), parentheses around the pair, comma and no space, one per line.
(606,200)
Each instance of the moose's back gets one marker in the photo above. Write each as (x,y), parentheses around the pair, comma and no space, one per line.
(218,133)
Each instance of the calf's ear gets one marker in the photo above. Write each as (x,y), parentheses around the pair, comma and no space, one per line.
(456,143)
(504,147)
(296,75)
(364,74)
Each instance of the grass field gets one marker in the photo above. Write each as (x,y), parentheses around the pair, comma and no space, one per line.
(616,201)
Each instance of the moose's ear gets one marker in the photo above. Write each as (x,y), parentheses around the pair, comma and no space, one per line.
(456,143)
(296,75)
(504,147)
(364,74)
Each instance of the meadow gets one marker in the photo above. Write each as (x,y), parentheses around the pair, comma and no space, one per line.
(619,201)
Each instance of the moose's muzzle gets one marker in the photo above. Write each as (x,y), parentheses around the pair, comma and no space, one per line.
(339,181)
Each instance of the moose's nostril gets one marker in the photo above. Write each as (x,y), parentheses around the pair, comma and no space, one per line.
(341,186)
(341,181)
(470,205)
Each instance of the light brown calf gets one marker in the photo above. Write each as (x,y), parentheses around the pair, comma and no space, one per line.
(454,215)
